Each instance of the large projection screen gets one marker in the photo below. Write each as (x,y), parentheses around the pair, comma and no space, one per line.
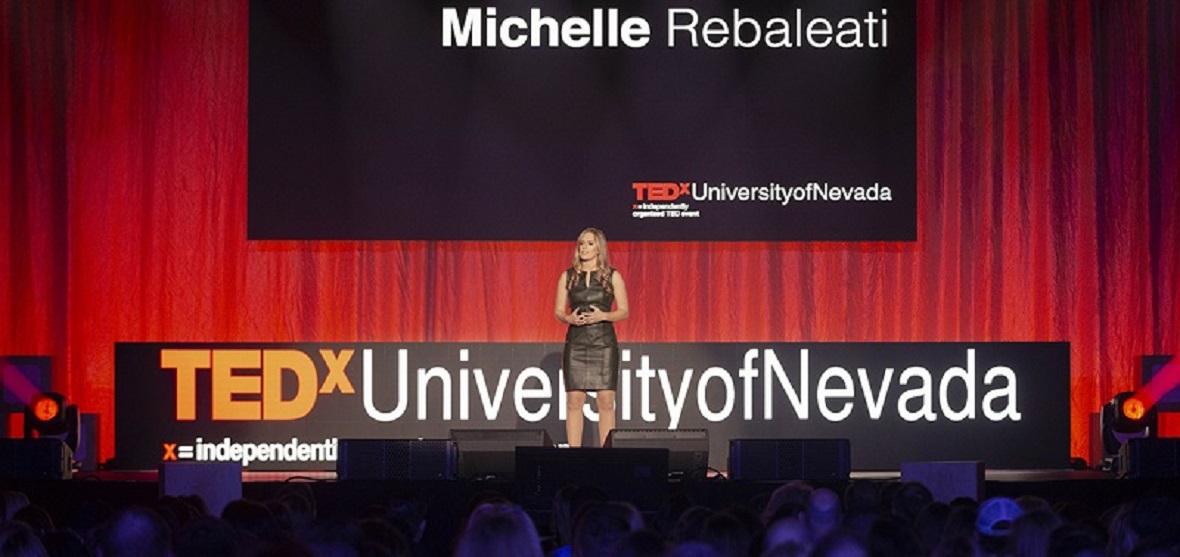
(656,121)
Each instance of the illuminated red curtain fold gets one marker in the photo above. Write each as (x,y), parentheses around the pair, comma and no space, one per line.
(1048,169)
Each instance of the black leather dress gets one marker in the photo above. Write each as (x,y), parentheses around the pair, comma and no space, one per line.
(591,357)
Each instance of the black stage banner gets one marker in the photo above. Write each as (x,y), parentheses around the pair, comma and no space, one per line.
(716,121)
(284,406)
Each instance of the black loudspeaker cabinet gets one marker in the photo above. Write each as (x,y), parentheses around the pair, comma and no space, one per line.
(87,454)
(396,459)
(1150,458)
(491,453)
(35,459)
(639,476)
(688,449)
(789,459)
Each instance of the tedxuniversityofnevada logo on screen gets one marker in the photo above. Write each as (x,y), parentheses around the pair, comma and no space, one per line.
(770,193)
(285,406)
(787,120)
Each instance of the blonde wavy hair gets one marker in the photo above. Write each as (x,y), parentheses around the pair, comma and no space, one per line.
(602,262)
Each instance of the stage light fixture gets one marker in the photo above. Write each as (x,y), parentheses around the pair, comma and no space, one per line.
(46,413)
(1125,417)
(49,415)
(1133,415)
(1133,409)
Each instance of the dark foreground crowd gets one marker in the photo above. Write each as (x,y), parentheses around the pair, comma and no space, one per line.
(867,519)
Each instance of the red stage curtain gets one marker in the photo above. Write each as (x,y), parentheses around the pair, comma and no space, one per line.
(1048,164)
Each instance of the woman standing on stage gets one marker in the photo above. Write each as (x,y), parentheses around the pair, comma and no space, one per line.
(591,296)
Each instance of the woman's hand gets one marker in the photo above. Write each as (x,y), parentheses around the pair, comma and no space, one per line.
(593,315)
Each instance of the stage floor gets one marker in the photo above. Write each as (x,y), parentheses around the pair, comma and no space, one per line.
(1064,474)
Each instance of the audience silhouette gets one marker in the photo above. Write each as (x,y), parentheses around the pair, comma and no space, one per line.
(877,518)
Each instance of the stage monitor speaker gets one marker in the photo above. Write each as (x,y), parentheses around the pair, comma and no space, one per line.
(491,453)
(35,459)
(639,476)
(396,459)
(1149,457)
(789,459)
(688,449)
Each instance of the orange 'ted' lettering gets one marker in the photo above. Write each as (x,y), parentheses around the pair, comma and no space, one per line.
(247,385)
(659,191)
(336,379)
(186,363)
(226,385)
(663,191)
(274,362)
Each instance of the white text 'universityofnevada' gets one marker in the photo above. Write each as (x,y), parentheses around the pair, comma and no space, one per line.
(761,389)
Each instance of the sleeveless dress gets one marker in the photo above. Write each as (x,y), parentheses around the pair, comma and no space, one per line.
(591,357)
